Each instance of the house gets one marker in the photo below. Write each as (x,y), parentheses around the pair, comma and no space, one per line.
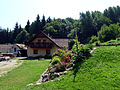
(18,50)
(5,48)
(41,45)
(14,49)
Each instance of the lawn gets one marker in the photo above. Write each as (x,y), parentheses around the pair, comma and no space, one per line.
(18,78)
(99,72)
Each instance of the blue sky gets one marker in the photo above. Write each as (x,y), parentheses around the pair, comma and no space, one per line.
(12,11)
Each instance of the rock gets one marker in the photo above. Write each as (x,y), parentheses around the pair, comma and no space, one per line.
(51,73)
(54,75)
(53,69)
(30,84)
(44,77)
(61,73)
(68,69)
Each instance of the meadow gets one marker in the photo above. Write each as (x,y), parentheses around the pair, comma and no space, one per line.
(101,71)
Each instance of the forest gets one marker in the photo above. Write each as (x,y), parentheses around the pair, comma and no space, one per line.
(90,27)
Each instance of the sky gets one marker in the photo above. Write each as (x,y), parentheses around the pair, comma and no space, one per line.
(12,11)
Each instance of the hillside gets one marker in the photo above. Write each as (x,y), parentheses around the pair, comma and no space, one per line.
(101,71)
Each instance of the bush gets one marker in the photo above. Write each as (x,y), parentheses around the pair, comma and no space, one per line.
(61,60)
(80,52)
(93,39)
(48,56)
(55,60)
(97,43)
(90,46)
(86,51)
(71,43)
(54,54)
(60,67)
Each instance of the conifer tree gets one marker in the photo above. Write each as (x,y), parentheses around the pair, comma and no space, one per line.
(27,27)
(43,22)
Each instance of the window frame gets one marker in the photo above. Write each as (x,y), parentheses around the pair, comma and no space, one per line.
(48,51)
(15,49)
(35,51)
(39,41)
(44,41)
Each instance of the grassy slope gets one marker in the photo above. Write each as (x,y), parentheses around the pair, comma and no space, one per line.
(18,78)
(99,72)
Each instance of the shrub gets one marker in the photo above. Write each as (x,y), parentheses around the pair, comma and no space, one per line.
(86,51)
(71,43)
(93,39)
(61,53)
(90,46)
(60,67)
(97,43)
(80,52)
(55,60)
(47,56)
(54,54)
(61,60)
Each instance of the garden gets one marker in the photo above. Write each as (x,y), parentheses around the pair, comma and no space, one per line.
(101,71)
(64,60)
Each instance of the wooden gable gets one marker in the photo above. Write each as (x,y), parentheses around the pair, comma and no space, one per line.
(42,35)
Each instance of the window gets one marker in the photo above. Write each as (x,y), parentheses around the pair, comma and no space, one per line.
(44,41)
(47,52)
(35,51)
(14,49)
(39,41)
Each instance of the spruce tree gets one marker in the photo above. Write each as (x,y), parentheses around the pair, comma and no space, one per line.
(43,22)
(27,27)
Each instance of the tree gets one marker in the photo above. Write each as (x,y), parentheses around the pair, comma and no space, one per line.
(35,26)
(27,27)
(113,13)
(43,22)
(22,37)
(49,20)
(15,31)
(38,18)
(76,31)
(87,24)
(109,32)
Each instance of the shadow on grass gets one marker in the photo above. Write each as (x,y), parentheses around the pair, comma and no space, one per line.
(34,58)
(29,58)
(78,63)
(76,68)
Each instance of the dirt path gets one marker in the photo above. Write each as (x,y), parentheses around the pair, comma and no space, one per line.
(6,66)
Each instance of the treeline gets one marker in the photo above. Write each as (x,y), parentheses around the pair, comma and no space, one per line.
(90,26)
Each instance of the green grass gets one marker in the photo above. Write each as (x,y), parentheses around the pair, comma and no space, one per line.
(99,72)
(18,78)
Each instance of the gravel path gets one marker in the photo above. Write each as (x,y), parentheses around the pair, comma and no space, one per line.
(6,66)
